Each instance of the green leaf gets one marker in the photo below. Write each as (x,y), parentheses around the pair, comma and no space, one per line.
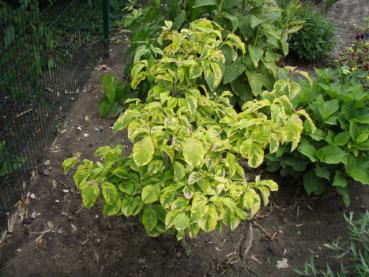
(256,82)
(193,152)
(155,167)
(143,151)
(331,154)
(69,163)
(329,108)
(322,172)
(208,222)
(339,180)
(179,171)
(149,219)
(358,169)
(255,21)
(191,102)
(131,205)
(150,194)
(105,107)
(195,71)
(256,54)
(308,150)
(110,193)
(181,222)
(344,192)
(123,121)
(113,209)
(90,192)
(256,156)
(233,71)
(109,83)
(313,184)
(204,3)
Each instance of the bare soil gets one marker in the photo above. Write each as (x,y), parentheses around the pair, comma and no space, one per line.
(66,239)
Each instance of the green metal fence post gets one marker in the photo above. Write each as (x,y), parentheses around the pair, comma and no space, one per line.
(106,25)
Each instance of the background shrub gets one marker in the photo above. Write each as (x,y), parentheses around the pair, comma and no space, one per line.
(316,39)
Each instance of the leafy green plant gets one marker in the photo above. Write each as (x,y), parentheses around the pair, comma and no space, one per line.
(183,174)
(337,151)
(352,254)
(116,92)
(316,39)
(262,24)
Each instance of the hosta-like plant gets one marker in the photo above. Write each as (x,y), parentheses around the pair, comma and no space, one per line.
(183,174)
(337,151)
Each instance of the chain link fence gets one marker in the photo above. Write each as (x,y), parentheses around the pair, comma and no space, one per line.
(48,49)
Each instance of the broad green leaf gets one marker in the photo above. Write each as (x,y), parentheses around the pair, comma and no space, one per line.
(149,219)
(307,149)
(181,222)
(329,108)
(179,171)
(131,205)
(233,71)
(150,194)
(167,197)
(339,180)
(113,209)
(191,102)
(256,54)
(123,121)
(69,163)
(256,156)
(256,82)
(331,154)
(109,83)
(255,21)
(208,222)
(195,71)
(143,151)
(155,167)
(344,192)
(358,169)
(322,172)
(193,152)
(89,192)
(313,184)
(110,193)
(204,3)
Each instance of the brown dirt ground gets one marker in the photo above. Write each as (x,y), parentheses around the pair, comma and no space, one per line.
(67,240)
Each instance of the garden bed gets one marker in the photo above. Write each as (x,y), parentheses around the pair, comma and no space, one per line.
(57,236)
(66,239)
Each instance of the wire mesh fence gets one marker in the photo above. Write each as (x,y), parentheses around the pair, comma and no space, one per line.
(47,52)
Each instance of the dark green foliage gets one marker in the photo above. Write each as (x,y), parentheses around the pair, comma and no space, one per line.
(316,39)
(352,254)
(8,161)
(338,150)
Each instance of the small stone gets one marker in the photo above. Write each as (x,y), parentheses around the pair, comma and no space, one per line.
(178,255)
(32,196)
(33,215)
(98,240)
(64,213)
(86,135)
(97,216)
(19,250)
(282,264)
(79,128)
(50,225)
(45,172)
(47,163)
(87,118)
(54,184)
(65,190)
(97,129)
(57,201)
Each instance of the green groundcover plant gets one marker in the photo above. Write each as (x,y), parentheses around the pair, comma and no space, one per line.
(262,24)
(352,254)
(183,175)
(337,101)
